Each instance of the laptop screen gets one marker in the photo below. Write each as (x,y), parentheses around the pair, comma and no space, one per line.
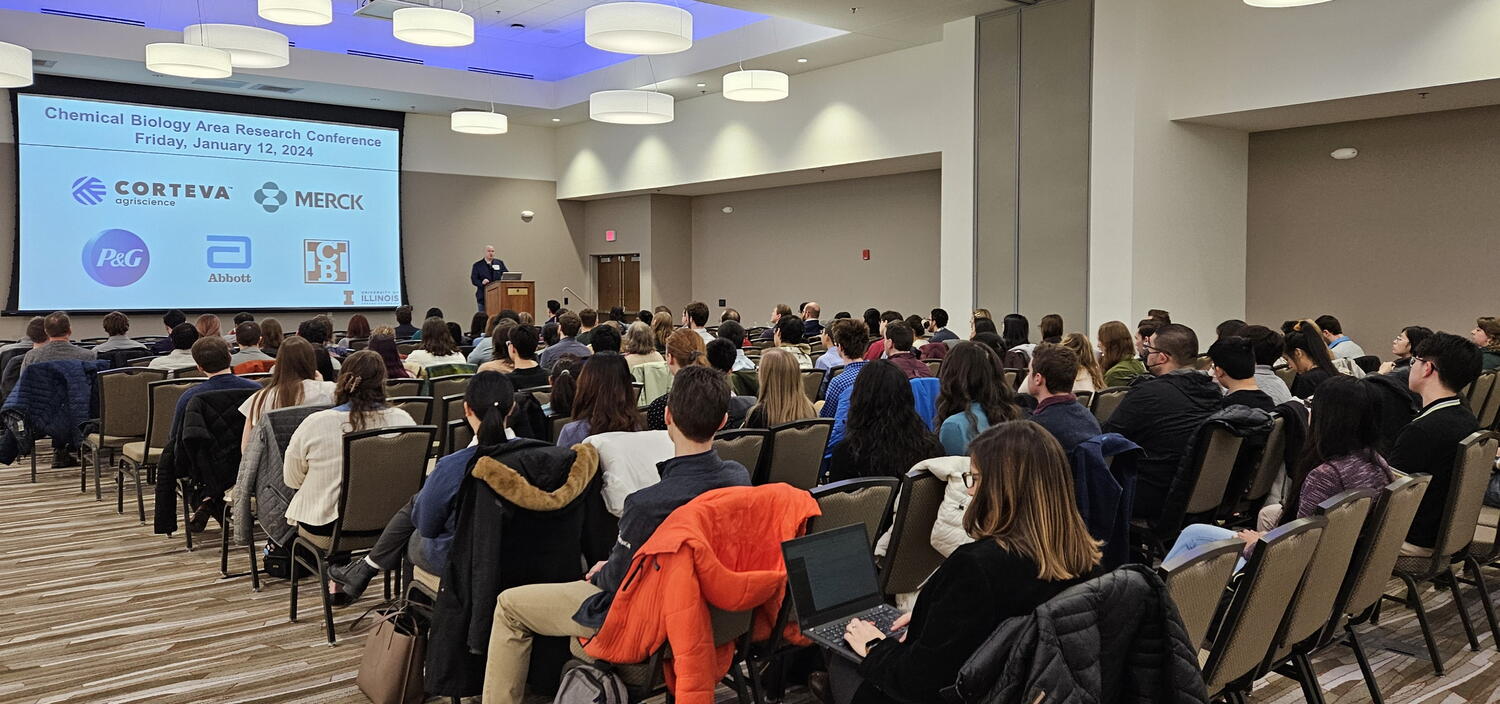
(831,575)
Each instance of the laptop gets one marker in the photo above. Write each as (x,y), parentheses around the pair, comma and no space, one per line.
(510,276)
(832,580)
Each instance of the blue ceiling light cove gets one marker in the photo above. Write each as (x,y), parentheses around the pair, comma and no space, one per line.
(523,38)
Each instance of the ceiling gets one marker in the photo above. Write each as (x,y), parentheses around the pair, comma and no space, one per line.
(914,21)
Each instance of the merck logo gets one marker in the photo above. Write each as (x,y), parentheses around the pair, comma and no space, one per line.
(88,191)
(116,258)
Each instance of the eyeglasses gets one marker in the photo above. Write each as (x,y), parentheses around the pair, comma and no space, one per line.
(1415,359)
(969,479)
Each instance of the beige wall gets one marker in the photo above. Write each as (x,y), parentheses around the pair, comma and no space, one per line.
(1402,235)
(799,243)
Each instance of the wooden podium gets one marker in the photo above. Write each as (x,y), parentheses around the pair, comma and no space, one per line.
(519,296)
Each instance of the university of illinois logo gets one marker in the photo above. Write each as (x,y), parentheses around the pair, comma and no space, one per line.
(325,261)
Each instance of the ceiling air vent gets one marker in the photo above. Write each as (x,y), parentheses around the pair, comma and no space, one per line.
(498,72)
(87,16)
(384,9)
(273,89)
(43,63)
(220,83)
(387,57)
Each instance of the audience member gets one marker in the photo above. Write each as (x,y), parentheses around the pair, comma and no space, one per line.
(1234,369)
(811,326)
(788,336)
(437,346)
(729,314)
(1228,327)
(271,336)
(830,357)
(588,319)
(645,316)
(1267,346)
(851,338)
(972,395)
(567,325)
(357,329)
(877,348)
(211,355)
(314,458)
(872,323)
(1338,343)
(1160,316)
(36,336)
(694,317)
(116,325)
(243,317)
(520,346)
(606,339)
(662,327)
(1307,354)
(208,325)
(604,401)
(1143,332)
(484,343)
(992,341)
(720,354)
(1016,332)
(385,346)
(247,336)
(734,333)
(899,339)
(1056,367)
(684,349)
(776,313)
(554,309)
(552,333)
(698,408)
(181,357)
(456,334)
(640,345)
(1030,543)
(1162,413)
(884,436)
(59,329)
(294,381)
(937,325)
(404,329)
(782,398)
(171,319)
(1441,366)
(1051,327)
(500,358)
(479,326)
(30,340)
(1406,340)
(1486,334)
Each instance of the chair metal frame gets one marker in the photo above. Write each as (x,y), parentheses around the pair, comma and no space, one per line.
(126,465)
(100,452)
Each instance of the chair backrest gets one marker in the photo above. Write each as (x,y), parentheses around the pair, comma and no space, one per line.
(457,435)
(383,468)
(746,446)
(140,361)
(1479,392)
(1287,374)
(557,425)
(1471,475)
(909,556)
(357,343)
(451,407)
(1271,460)
(1380,543)
(161,403)
(812,383)
(1259,606)
(1489,411)
(408,347)
(255,376)
(187,373)
(1012,379)
(1218,450)
(934,364)
(418,407)
(1196,581)
(1086,398)
(796,455)
(122,400)
(866,501)
(1105,401)
(448,385)
(1312,607)
(404,387)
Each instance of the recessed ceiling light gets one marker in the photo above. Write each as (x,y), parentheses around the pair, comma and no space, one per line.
(557,119)
(801,61)
(702,85)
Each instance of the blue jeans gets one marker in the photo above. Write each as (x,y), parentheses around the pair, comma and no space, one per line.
(1196,536)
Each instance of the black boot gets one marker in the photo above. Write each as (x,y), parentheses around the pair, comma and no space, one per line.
(353,577)
(63,457)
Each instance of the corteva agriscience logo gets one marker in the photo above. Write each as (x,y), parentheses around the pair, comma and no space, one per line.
(271,198)
(116,258)
(88,190)
(325,261)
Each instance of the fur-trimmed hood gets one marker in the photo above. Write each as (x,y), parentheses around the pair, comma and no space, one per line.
(528,490)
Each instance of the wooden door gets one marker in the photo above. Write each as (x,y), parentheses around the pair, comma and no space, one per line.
(608,268)
(619,281)
(630,283)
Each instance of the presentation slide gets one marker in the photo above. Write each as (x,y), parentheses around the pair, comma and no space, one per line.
(142,207)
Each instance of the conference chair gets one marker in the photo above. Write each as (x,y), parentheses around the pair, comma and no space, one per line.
(812,383)
(140,361)
(909,556)
(1370,568)
(418,407)
(1309,611)
(408,347)
(392,464)
(1197,490)
(141,456)
(865,501)
(1488,410)
(1287,374)
(1196,580)
(746,446)
(796,454)
(1272,458)
(1258,608)
(450,407)
(1105,401)
(358,343)
(122,398)
(1085,398)
(441,386)
(1477,393)
(1471,474)
(405,387)
(935,365)
(458,434)
(645,680)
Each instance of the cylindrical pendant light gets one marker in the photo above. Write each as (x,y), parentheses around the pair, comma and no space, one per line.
(248,47)
(631,107)
(638,28)
(188,60)
(15,66)
(756,85)
(1283,3)
(433,26)
(299,12)
(479,122)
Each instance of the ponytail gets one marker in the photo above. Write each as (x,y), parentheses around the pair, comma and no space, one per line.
(490,396)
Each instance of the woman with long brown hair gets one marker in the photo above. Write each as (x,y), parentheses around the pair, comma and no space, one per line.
(972,395)
(605,401)
(1117,355)
(782,398)
(384,344)
(208,325)
(662,327)
(437,347)
(358,329)
(294,381)
(685,348)
(1090,378)
(1030,543)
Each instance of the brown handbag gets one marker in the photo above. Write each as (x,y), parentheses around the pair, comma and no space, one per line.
(390,670)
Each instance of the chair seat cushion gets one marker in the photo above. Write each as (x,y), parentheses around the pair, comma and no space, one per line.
(1489,516)
(325,542)
(136,452)
(634,675)
(97,440)
(426,579)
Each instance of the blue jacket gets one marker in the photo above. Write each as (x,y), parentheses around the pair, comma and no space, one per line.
(55,399)
(482,270)
(925,391)
(435,514)
(1106,491)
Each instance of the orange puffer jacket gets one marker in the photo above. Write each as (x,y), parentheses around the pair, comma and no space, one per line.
(722,548)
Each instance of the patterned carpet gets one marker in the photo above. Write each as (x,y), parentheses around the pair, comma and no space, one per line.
(94,608)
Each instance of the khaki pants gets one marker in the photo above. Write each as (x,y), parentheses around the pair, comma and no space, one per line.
(520,612)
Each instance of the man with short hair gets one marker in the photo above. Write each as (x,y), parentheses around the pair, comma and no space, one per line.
(735,333)
(1234,369)
(1162,413)
(211,356)
(36,336)
(780,310)
(26,342)
(1338,343)
(811,326)
(485,271)
(606,339)
(116,325)
(521,347)
(588,319)
(58,347)
(830,358)
(878,349)
(243,317)
(697,407)
(404,329)
(1143,332)
(937,326)
(567,327)
(171,319)
(898,340)
(1056,367)
(1266,346)
(183,336)
(1441,366)
(554,309)
(695,317)
(788,336)
(730,314)
(247,335)
(851,337)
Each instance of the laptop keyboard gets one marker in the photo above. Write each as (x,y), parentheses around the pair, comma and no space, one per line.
(881,617)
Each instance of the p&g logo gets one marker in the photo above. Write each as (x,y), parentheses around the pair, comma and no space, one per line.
(88,190)
(116,258)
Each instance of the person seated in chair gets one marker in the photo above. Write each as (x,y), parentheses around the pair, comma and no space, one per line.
(1056,367)
(697,408)
(59,329)
(181,357)
(116,325)
(247,334)
(1441,366)
(1234,369)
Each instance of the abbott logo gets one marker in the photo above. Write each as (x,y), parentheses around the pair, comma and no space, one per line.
(116,258)
(325,261)
(228,252)
(88,191)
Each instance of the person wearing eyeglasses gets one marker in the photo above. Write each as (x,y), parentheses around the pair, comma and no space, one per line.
(1162,413)
(1441,365)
